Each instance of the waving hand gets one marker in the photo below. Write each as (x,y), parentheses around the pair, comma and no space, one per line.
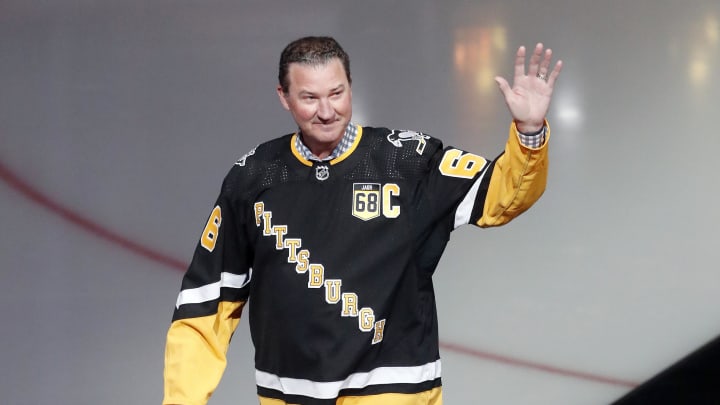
(529,97)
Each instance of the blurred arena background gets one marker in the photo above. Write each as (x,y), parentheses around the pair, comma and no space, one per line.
(119,119)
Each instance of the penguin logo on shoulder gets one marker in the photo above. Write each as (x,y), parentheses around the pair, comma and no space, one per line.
(243,159)
(397,137)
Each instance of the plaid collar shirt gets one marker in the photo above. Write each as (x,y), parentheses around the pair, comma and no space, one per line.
(345,143)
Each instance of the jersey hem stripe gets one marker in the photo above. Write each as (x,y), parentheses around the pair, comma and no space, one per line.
(328,390)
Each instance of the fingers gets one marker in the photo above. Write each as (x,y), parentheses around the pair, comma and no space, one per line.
(534,66)
(555,73)
(538,66)
(545,63)
(503,85)
(520,62)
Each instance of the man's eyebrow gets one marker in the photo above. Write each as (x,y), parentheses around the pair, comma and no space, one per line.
(312,93)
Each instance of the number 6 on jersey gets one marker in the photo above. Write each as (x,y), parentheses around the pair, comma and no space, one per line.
(210,233)
(456,163)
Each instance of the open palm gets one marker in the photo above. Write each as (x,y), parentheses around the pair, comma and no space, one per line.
(529,97)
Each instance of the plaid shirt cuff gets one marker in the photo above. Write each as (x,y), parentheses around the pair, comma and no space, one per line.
(535,140)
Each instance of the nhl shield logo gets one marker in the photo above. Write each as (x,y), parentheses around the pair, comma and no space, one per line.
(322,173)
(366,200)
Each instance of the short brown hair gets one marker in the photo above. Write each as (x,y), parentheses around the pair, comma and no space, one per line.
(311,51)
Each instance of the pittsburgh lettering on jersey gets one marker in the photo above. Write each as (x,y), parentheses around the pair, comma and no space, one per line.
(367,321)
(371,199)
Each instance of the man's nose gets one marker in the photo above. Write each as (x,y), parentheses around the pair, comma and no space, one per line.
(325,110)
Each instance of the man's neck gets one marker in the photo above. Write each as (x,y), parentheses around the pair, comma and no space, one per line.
(319,149)
(327,151)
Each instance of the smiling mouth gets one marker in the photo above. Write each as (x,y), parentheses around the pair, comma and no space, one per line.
(327,124)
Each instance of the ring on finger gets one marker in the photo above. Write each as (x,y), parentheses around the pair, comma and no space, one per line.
(542,76)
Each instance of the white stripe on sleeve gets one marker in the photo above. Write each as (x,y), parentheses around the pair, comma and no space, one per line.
(464,210)
(211,291)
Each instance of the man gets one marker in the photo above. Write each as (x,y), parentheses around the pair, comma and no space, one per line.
(334,233)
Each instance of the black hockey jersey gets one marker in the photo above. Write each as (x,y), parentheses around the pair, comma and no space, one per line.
(336,259)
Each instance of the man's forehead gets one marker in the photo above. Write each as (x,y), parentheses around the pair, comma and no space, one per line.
(316,64)
(328,74)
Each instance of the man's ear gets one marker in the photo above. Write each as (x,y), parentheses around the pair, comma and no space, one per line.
(283,97)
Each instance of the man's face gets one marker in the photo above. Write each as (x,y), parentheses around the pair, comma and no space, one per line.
(320,100)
